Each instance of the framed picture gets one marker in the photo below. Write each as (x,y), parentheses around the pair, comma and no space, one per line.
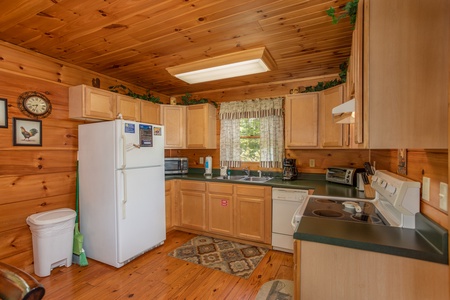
(3,113)
(27,132)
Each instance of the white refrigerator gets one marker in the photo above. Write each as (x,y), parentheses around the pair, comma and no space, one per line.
(121,189)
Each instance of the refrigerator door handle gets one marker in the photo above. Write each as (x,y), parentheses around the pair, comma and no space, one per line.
(124,144)
(125,193)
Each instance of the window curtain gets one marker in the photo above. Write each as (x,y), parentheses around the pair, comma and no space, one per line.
(270,113)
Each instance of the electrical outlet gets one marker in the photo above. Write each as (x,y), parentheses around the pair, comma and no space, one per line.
(443,192)
(312,163)
(201,161)
(426,188)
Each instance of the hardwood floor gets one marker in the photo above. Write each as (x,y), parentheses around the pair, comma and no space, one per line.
(155,275)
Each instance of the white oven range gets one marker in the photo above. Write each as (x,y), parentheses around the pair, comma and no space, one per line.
(397,200)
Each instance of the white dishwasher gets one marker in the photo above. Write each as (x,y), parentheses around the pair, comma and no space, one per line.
(284,204)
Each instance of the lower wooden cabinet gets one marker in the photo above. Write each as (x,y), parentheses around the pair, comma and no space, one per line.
(169,204)
(192,200)
(253,212)
(221,209)
(354,274)
(241,211)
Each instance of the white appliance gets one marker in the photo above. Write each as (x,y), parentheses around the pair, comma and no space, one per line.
(284,203)
(396,202)
(121,179)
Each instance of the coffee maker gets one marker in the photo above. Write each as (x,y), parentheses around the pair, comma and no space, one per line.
(289,169)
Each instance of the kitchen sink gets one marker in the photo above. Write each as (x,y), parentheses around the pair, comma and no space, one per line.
(256,179)
(234,177)
(244,178)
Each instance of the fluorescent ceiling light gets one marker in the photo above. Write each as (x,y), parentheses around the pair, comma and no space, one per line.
(236,64)
(345,112)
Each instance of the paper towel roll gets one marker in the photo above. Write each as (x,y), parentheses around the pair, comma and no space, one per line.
(208,165)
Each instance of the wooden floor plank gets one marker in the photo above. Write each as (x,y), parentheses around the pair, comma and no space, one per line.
(155,275)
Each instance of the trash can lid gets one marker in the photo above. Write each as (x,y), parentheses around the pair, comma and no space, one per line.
(52,216)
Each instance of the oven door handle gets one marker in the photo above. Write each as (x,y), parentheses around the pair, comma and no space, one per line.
(296,217)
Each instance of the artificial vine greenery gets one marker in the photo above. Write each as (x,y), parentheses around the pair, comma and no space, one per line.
(186,100)
(350,9)
(323,85)
(126,91)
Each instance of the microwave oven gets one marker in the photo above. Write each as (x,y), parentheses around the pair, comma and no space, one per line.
(343,175)
(176,165)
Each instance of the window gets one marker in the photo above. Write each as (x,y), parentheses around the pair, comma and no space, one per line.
(250,139)
(252,131)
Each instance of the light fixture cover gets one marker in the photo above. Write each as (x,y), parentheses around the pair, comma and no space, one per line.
(225,66)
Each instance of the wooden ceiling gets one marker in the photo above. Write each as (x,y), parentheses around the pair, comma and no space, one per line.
(136,40)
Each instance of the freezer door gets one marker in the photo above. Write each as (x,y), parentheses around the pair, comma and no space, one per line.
(141,211)
(139,145)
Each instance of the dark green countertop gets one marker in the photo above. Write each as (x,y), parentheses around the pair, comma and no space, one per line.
(316,182)
(377,238)
(427,242)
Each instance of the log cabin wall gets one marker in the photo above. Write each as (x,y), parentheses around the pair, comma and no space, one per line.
(38,178)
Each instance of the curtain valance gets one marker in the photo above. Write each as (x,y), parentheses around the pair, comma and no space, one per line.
(256,108)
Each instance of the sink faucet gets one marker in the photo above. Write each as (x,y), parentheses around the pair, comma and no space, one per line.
(259,173)
(246,171)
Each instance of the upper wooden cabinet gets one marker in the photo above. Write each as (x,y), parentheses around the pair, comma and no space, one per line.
(201,126)
(331,133)
(128,107)
(89,103)
(150,112)
(95,104)
(302,120)
(309,122)
(173,117)
(405,74)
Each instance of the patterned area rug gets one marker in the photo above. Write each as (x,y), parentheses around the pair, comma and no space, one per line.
(229,257)
(276,290)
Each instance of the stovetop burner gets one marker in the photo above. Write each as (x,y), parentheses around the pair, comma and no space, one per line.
(345,210)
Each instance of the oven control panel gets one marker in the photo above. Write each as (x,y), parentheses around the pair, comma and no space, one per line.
(399,197)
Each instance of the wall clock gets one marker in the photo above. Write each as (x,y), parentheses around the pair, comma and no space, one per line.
(34,105)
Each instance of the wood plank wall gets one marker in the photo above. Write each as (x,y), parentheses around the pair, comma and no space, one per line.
(32,178)
(36,179)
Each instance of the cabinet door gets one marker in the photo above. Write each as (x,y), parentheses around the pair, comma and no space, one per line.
(91,103)
(100,103)
(150,112)
(201,126)
(173,117)
(331,133)
(253,213)
(193,205)
(221,209)
(169,204)
(302,120)
(129,107)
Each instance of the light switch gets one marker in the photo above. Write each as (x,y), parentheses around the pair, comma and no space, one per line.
(426,188)
(201,160)
(312,163)
(443,192)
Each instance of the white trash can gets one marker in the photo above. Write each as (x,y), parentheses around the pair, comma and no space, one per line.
(52,233)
